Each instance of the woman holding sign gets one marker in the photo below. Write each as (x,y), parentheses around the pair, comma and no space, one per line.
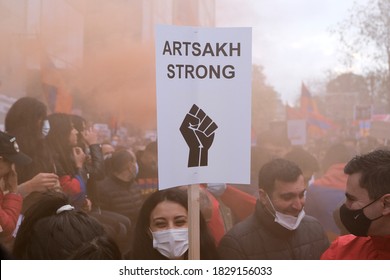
(162,229)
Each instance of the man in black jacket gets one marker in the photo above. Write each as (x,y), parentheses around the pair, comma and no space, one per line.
(279,228)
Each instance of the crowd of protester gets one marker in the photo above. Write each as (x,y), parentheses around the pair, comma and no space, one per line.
(65,195)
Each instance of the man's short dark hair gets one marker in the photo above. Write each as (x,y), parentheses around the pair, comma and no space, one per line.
(375,172)
(278,169)
(304,159)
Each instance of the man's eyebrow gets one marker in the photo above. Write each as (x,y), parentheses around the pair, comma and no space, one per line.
(287,194)
(350,196)
(291,194)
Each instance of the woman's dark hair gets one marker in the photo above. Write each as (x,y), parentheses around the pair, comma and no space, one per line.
(5,254)
(79,124)
(45,234)
(143,241)
(100,248)
(24,120)
(58,142)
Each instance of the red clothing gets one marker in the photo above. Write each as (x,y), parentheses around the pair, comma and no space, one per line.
(70,186)
(351,247)
(216,224)
(240,203)
(10,207)
(75,188)
(334,177)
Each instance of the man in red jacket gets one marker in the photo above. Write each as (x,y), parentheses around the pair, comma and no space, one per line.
(366,211)
(10,200)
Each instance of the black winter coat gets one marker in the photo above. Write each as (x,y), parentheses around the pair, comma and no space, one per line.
(260,238)
(119,196)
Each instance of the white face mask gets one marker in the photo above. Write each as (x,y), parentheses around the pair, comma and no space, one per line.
(114,143)
(287,221)
(107,156)
(45,128)
(171,243)
(136,169)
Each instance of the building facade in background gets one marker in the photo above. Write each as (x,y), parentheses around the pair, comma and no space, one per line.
(66,33)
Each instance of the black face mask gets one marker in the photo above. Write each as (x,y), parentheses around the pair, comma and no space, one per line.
(355,221)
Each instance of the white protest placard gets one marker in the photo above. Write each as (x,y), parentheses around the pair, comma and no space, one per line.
(203,84)
(296,132)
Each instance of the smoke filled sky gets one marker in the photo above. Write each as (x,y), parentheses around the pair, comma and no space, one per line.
(291,39)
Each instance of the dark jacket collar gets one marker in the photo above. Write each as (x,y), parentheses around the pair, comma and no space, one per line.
(265,218)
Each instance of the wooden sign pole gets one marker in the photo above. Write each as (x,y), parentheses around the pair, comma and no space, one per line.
(193,225)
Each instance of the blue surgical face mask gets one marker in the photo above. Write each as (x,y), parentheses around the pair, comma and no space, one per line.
(114,143)
(136,169)
(107,156)
(45,128)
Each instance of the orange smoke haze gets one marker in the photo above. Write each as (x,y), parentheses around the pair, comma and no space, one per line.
(120,80)
(103,50)
(97,49)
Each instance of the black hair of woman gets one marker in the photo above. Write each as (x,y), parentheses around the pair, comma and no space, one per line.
(53,229)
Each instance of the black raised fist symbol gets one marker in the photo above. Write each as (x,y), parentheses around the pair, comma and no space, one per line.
(198,131)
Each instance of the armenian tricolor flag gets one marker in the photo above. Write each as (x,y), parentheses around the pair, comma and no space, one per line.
(56,93)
